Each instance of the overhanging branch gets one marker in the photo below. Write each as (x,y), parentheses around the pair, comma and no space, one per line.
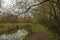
(33,6)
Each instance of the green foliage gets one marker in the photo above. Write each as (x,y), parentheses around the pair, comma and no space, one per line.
(33,28)
(48,14)
(29,27)
(7,27)
(9,18)
(49,33)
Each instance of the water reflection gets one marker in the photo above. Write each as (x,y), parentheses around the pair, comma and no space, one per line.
(19,35)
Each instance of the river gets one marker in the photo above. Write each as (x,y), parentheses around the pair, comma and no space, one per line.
(19,35)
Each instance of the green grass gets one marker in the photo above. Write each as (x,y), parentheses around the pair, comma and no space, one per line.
(33,28)
(5,27)
(49,33)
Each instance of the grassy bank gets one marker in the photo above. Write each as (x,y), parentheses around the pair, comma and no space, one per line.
(7,27)
(49,33)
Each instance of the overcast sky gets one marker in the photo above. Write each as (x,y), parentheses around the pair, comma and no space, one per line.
(8,5)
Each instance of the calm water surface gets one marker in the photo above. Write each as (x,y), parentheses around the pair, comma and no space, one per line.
(19,35)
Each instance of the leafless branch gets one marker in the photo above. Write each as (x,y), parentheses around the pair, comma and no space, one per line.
(33,6)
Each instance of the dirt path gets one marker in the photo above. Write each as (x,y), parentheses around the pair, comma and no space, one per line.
(38,35)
